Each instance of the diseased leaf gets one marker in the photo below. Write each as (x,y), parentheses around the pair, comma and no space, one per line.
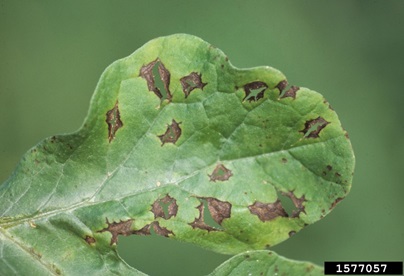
(265,263)
(175,133)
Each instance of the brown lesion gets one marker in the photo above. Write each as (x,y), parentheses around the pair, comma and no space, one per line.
(168,203)
(124,228)
(270,211)
(254,91)
(298,202)
(191,82)
(291,92)
(199,222)
(282,85)
(267,211)
(219,210)
(113,121)
(90,240)
(146,72)
(220,173)
(159,230)
(165,78)
(313,127)
(118,228)
(172,133)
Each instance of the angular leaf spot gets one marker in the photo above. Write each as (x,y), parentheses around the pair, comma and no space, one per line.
(267,211)
(149,71)
(146,230)
(191,82)
(165,78)
(165,207)
(298,202)
(282,85)
(118,228)
(313,127)
(291,92)
(284,160)
(114,121)
(254,91)
(172,133)
(200,222)
(146,72)
(219,210)
(90,240)
(162,231)
(220,173)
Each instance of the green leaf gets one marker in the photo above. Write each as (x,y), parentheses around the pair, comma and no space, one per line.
(178,143)
(265,263)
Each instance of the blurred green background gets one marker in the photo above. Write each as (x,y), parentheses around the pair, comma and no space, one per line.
(53,52)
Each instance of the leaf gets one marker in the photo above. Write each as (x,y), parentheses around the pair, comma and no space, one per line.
(178,143)
(262,262)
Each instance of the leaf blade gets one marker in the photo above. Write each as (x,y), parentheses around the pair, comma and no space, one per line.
(228,148)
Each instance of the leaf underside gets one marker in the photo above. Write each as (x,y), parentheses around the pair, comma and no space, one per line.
(178,143)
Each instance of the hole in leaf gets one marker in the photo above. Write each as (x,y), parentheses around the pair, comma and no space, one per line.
(284,93)
(165,207)
(158,83)
(199,222)
(207,217)
(113,121)
(254,91)
(191,82)
(294,206)
(162,80)
(219,210)
(212,212)
(158,79)
(287,203)
(291,92)
(313,127)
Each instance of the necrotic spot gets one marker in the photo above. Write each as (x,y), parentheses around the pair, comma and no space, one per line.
(267,211)
(220,173)
(313,127)
(191,82)
(172,133)
(165,207)
(254,91)
(149,72)
(113,121)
